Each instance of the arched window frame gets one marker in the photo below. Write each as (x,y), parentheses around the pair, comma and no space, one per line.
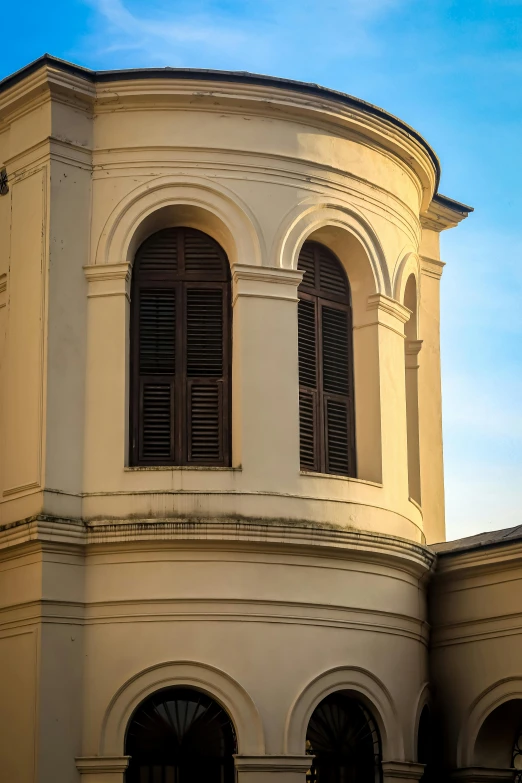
(340,745)
(324,310)
(161,725)
(198,404)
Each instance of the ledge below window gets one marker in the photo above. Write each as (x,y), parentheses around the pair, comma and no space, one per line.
(133,468)
(313,474)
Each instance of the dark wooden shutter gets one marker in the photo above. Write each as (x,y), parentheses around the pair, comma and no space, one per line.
(326,415)
(180,351)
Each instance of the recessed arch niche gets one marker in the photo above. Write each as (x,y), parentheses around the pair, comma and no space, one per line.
(180,735)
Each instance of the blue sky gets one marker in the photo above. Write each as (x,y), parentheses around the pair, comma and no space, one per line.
(450,68)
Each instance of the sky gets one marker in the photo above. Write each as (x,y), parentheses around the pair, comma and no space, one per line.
(450,68)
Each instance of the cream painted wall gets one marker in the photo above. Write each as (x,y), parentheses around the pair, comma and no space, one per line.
(264,585)
(476,648)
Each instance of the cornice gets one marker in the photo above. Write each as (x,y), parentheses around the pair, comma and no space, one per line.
(481,561)
(221,88)
(443,213)
(359,544)
(42,84)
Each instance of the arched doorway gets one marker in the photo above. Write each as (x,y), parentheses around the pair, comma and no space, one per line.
(180,735)
(343,736)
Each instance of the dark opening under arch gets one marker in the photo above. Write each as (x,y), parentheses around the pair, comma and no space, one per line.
(326,396)
(343,736)
(180,351)
(180,735)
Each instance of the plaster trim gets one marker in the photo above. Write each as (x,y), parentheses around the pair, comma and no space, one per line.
(114,244)
(366,686)
(95,765)
(316,212)
(216,683)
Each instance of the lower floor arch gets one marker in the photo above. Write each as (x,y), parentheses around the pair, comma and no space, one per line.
(191,677)
(499,741)
(357,686)
(345,742)
(180,735)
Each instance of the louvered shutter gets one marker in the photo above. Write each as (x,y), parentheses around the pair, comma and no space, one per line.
(180,351)
(327,442)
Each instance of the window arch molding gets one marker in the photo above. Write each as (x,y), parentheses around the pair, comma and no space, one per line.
(483,705)
(313,215)
(216,210)
(216,683)
(365,687)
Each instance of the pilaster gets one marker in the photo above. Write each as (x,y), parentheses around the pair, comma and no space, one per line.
(381,337)
(265,374)
(430,404)
(106,403)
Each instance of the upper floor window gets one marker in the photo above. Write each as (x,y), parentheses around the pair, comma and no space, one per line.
(326,409)
(180,351)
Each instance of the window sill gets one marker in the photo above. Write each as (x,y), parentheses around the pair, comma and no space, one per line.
(138,468)
(339,478)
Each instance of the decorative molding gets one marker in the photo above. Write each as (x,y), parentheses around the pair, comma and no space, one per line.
(386,304)
(265,282)
(96,765)
(3,290)
(402,771)
(361,544)
(412,347)
(167,674)
(369,688)
(444,213)
(21,488)
(108,280)
(432,267)
(273,763)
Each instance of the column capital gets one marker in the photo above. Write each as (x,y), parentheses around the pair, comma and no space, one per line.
(108,279)
(273,763)
(382,310)
(402,771)
(432,267)
(102,765)
(265,282)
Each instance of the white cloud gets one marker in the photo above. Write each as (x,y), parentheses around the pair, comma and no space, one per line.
(246,35)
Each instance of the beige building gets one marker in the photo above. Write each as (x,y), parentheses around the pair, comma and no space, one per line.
(221,477)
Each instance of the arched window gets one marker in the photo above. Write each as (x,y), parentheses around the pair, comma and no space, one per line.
(326,409)
(180,735)
(180,351)
(344,738)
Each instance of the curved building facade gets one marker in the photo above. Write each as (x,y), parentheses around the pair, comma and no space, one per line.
(221,452)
